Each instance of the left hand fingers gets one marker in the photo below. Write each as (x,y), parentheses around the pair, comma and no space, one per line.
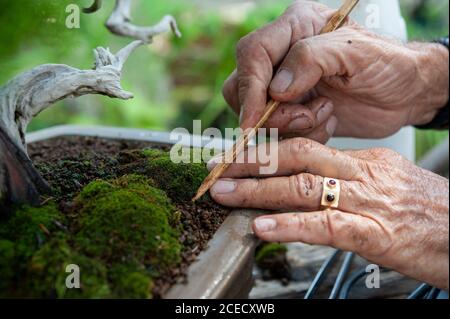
(297,192)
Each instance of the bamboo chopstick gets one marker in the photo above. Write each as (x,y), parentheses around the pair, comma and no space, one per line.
(336,21)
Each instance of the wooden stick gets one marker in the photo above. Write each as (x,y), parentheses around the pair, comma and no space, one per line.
(336,21)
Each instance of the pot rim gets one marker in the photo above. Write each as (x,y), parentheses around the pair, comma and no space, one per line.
(218,268)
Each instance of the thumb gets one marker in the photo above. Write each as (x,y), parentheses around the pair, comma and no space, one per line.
(307,62)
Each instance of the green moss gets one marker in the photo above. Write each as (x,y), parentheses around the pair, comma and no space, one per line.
(129,281)
(269,250)
(28,228)
(127,220)
(46,275)
(123,233)
(7,269)
(179,180)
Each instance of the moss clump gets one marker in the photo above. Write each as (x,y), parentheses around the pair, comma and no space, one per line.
(271,258)
(29,228)
(46,274)
(7,269)
(127,220)
(269,250)
(122,238)
(26,221)
(130,281)
(179,180)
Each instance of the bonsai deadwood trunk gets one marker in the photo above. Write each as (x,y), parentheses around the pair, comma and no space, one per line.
(31,92)
(19,181)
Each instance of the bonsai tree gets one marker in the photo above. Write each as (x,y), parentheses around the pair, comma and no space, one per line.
(25,96)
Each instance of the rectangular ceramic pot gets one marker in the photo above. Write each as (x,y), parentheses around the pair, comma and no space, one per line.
(224,269)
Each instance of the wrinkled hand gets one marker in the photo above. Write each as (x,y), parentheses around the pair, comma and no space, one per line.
(390,212)
(375,86)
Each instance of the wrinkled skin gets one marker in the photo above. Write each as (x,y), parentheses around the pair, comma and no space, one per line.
(375,85)
(347,83)
(390,212)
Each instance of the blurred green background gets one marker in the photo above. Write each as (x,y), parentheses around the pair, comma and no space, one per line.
(173,80)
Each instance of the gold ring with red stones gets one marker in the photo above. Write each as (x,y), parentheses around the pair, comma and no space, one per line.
(330,194)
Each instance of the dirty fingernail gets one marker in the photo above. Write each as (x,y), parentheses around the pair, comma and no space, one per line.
(331,125)
(223,187)
(282,81)
(301,123)
(324,112)
(265,224)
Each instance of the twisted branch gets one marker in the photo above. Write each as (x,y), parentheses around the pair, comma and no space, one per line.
(119,23)
(94,7)
(31,92)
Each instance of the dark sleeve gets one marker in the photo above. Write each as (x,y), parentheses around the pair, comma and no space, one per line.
(441,121)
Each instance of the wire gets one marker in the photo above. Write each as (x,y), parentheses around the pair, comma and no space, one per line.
(341,288)
(432,294)
(420,291)
(345,268)
(352,280)
(321,274)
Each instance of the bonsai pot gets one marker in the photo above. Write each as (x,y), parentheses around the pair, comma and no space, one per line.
(224,268)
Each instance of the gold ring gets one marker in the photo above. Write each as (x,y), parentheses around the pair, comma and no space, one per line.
(331,193)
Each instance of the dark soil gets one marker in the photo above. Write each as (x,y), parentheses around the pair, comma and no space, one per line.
(70,163)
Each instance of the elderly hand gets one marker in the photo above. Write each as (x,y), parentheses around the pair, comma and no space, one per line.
(390,212)
(375,85)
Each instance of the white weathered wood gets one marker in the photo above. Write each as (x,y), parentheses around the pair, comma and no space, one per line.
(29,93)
(119,23)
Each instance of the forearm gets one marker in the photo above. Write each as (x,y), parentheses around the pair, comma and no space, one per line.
(432,63)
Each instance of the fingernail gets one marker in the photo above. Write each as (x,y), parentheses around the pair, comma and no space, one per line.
(301,123)
(331,125)
(282,81)
(223,187)
(241,114)
(213,162)
(324,112)
(265,224)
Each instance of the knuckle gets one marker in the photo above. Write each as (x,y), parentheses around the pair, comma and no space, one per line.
(303,51)
(358,235)
(329,227)
(247,44)
(299,146)
(228,89)
(347,229)
(382,153)
(304,187)
(297,222)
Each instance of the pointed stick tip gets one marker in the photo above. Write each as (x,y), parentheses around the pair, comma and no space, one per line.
(198,195)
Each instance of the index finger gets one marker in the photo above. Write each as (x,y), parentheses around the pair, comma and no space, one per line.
(293,156)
